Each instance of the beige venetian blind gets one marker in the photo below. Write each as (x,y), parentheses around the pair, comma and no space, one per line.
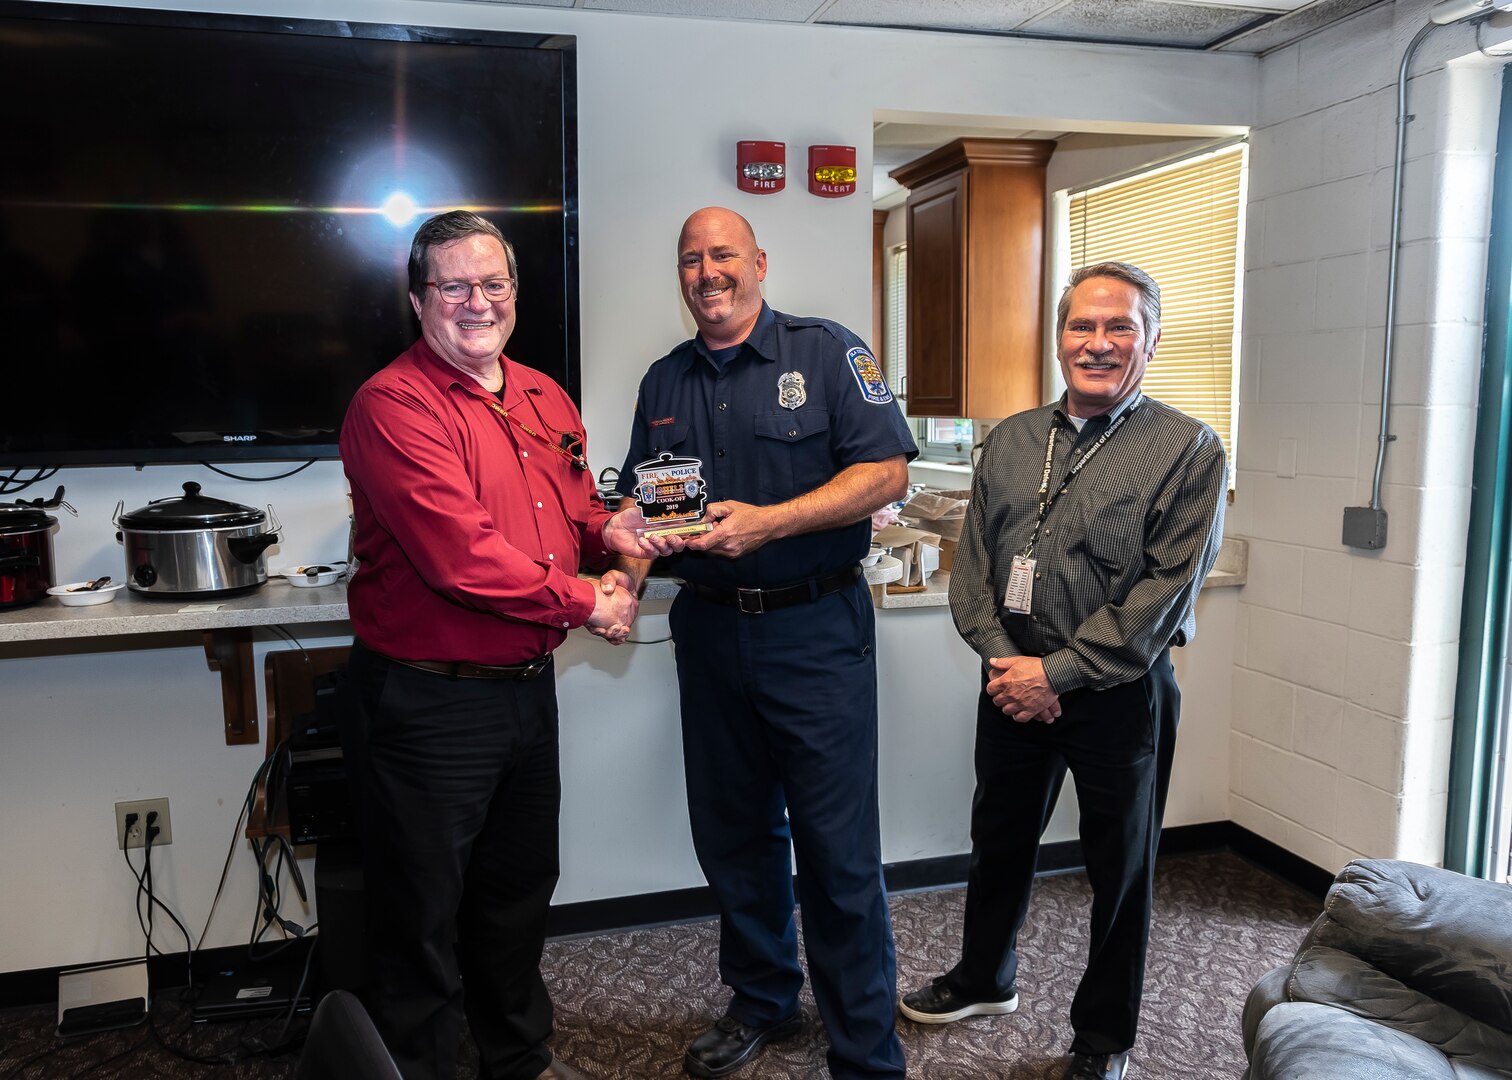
(896,317)
(1180,224)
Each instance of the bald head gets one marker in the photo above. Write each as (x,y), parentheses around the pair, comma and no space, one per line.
(721,270)
(720,217)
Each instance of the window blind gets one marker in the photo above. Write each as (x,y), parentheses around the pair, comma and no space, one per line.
(896,318)
(1181,224)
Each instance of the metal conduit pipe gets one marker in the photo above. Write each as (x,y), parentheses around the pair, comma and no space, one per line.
(1403,119)
(1365,526)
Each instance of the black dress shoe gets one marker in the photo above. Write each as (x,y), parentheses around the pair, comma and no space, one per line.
(1098,1067)
(940,1003)
(729,1044)
(560,1070)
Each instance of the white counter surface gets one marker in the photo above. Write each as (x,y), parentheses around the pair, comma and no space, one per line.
(280,603)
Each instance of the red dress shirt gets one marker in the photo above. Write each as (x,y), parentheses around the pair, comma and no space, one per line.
(468,529)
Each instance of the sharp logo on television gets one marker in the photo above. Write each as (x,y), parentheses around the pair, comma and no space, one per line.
(238,438)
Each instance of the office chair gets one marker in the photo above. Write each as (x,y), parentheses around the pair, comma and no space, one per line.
(343,1043)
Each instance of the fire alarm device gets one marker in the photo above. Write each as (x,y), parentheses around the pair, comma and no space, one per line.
(832,171)
(761,167)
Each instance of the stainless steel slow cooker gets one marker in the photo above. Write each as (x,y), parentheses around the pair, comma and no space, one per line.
(193,545)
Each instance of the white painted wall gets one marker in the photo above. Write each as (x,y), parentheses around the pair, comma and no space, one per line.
(1344,685)
(661,101)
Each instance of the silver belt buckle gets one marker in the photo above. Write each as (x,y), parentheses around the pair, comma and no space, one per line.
(749,601)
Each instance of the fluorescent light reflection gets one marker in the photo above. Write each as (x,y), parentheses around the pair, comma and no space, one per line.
(399,209)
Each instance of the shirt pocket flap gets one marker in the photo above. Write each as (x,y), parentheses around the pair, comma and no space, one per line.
(790,427)
(666,438)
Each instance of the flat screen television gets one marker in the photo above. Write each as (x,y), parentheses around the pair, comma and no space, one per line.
(205,219)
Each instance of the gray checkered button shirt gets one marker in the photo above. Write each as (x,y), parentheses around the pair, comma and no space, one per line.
(1123,551)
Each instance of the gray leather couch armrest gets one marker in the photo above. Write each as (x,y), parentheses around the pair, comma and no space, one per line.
(1445,935)
(1303,1041)
(1267,993)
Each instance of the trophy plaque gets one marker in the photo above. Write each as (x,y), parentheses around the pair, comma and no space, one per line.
(671,494)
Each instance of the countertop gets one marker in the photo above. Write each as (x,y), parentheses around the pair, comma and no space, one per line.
(280,603)
(1231,570)
(134,613)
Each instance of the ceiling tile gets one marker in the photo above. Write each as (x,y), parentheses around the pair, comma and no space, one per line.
(1295,25)
(1189,23)
(533,3)
(1152,22)
(936,14)
(1258,5)
(761,10)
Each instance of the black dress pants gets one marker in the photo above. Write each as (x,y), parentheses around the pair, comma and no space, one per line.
(1118,744)
(459,793)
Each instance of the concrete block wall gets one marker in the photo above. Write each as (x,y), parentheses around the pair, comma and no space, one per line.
(1345,660)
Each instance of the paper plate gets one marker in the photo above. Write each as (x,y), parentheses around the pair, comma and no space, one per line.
(312,575)
(103,595)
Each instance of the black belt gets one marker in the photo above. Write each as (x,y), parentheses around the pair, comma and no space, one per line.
(759,601)
(461,669)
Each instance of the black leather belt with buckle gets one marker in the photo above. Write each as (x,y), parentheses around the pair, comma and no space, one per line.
(461,669)
(760,601)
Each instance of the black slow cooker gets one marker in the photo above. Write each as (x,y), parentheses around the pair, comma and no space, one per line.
(26,550)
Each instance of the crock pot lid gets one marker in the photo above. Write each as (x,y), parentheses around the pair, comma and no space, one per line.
(24,519)
(191,510)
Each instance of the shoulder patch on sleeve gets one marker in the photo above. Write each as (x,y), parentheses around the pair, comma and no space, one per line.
(868,376)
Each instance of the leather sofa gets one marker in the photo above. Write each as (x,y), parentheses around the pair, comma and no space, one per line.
(1407,975)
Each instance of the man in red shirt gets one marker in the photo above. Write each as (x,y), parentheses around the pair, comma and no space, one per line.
(473,506)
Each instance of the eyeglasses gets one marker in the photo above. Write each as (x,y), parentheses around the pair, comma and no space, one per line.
(459,292)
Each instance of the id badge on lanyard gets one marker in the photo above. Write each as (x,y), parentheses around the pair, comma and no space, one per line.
(1018,597)
(1020,592)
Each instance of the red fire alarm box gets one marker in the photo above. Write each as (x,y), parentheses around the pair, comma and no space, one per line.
(832,171)
(761,167)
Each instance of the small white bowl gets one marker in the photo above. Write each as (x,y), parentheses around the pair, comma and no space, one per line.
(103,595)
(873,555)
(301,579)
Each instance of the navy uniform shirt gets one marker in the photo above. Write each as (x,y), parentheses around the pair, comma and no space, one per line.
(735,418)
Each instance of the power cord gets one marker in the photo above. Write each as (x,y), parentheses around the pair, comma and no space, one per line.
(260,479)
(270,895)
(145,883)
(12,483)
(144,888)
(248,1043)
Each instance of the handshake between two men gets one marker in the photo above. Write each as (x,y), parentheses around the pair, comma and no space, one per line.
(735,529)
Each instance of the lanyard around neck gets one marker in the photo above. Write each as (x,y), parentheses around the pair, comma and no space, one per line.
(574,455)
(1046,499)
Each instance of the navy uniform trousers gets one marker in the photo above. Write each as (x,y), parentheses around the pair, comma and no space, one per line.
(779,711)
(458,796)
(1118,744)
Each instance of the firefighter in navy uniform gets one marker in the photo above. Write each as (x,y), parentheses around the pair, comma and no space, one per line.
(775,642)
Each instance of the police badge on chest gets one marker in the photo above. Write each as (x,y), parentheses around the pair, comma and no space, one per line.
(790,390)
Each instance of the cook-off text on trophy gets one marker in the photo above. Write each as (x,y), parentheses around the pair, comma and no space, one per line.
(671,494)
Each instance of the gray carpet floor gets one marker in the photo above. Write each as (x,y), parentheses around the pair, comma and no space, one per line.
(627,1003)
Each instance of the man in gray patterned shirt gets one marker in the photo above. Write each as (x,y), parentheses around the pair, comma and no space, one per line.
(1092,524)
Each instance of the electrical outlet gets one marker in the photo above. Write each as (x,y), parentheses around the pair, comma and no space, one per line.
(137,837)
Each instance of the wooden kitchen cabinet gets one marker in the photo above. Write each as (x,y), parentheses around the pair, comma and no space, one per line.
(976,228)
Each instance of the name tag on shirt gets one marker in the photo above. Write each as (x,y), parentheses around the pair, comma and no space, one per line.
(1020,591)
